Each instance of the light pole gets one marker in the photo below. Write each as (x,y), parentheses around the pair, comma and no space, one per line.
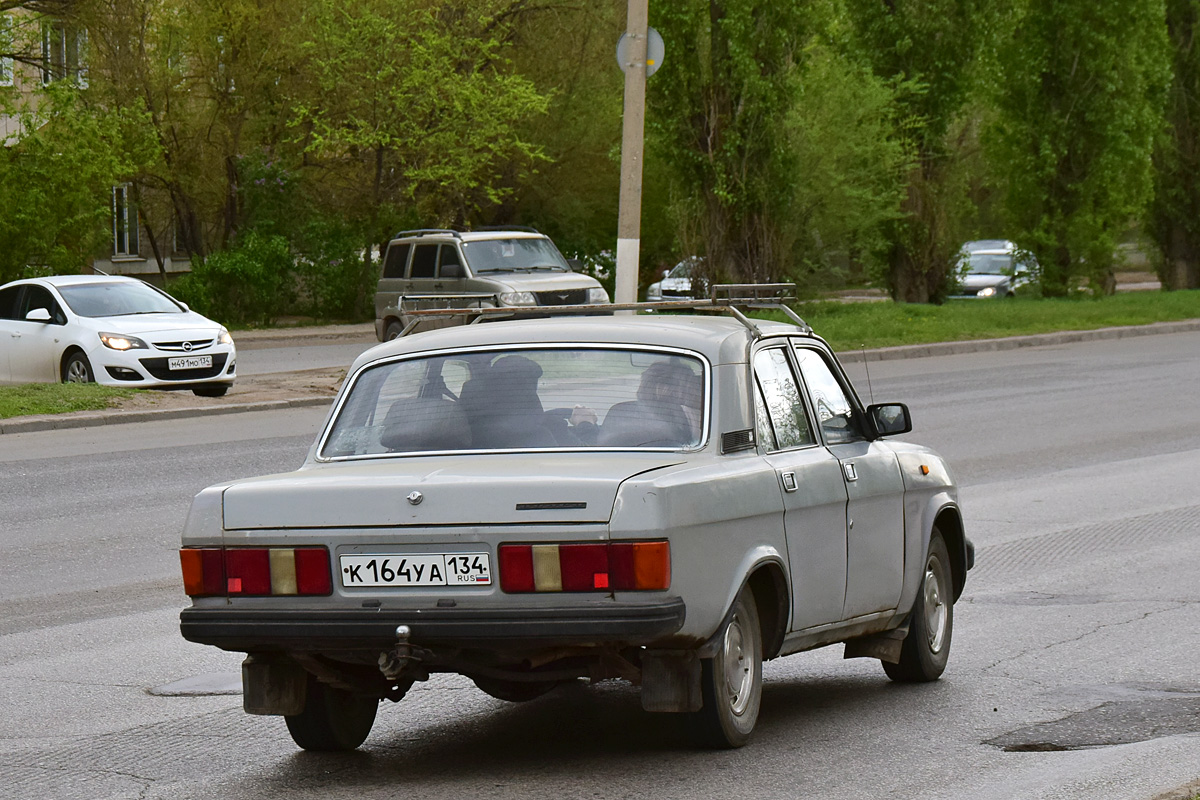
(629,218)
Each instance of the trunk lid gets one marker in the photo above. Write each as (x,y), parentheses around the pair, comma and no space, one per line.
(501,489)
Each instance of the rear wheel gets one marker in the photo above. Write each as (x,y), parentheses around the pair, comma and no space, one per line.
(731,681)
(76,369)
(332,719)
(926,649)
(514,691)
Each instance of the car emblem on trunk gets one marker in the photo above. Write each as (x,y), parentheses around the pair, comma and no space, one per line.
(415,498)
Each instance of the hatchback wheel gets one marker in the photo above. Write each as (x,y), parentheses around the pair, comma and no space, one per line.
(77,369)
(731,681)
(926,649)
(332,719)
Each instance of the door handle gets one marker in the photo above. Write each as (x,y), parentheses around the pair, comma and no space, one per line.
(851,472)
(789,481)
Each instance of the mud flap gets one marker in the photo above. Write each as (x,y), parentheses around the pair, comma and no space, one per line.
(671,681)
(273,685)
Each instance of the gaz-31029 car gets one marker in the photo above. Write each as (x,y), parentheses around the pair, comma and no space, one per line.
(668,500)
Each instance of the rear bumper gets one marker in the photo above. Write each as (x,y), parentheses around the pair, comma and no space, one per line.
(256,630)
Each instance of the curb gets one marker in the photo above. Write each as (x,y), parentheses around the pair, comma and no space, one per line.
(1014,342)
(54,422)
(49,422)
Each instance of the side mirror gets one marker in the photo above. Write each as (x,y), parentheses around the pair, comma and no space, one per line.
(452,271)
(38,315)
(889,419)
(575,264)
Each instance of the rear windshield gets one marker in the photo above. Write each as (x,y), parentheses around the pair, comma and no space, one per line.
(530,399)
(514,255)
(116,299)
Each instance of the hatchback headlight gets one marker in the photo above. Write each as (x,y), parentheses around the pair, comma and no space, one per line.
(518,299)
(597,295)
(119,342)
(987,292)
(224,338)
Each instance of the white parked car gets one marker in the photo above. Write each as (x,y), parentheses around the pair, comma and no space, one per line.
(665,499)
(113,330)
(676,283)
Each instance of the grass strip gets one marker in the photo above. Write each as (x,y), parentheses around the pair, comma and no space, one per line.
(57,398)
(849,326)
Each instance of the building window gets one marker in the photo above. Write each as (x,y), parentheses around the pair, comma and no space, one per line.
(6,46)
(63,53)
(125,222)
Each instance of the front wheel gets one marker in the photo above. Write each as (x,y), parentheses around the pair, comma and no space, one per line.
(731,681)
(215,390)
(332,719)
(77,369)
(926,649)
(393,331)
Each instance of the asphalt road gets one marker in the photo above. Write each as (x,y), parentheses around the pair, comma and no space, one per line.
(1073,672)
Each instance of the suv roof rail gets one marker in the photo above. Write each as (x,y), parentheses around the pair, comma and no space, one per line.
(522,228)
(423,231)
(725,298)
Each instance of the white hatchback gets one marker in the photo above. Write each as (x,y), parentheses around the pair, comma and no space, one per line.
(112,330)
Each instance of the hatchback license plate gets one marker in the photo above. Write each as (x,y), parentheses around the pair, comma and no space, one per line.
(189,362)
(416,569)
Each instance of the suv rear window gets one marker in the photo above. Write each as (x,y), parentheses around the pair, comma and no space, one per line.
(523,399)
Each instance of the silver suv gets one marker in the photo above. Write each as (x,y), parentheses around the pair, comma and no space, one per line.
(437,268)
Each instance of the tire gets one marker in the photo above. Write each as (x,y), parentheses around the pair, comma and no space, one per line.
(218,390)
(731,681)
(926,649)
(332,719)
(76,369)
(392,331)
(514,691)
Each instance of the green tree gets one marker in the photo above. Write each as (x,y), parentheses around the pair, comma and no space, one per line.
(413,109)
(932,49)
(850,160)
(717,116)
(1174,219)
(1079,109)
(56,180)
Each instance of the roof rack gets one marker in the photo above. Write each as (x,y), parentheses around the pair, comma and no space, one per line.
(521,228)
(725,298)
(423,231)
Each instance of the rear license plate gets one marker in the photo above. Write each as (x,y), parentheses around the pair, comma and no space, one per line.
(189,362)
(416,569)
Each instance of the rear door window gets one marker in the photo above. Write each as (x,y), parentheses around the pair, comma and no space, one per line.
(424,261)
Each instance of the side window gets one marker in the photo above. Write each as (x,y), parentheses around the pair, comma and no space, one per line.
(39,297)
(396,260)
(447,256)
(835,412)
(785,409)
(8,302)
(424,261)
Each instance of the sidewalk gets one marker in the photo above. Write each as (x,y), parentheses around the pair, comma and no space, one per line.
(313,388)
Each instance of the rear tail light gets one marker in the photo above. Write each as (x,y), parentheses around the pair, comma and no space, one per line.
(255,571)
(585,567)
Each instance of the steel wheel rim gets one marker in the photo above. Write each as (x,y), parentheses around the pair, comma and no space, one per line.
(936,614)
(739,667)
(77,372)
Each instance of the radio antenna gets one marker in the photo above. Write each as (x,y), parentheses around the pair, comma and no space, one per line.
(870,389)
